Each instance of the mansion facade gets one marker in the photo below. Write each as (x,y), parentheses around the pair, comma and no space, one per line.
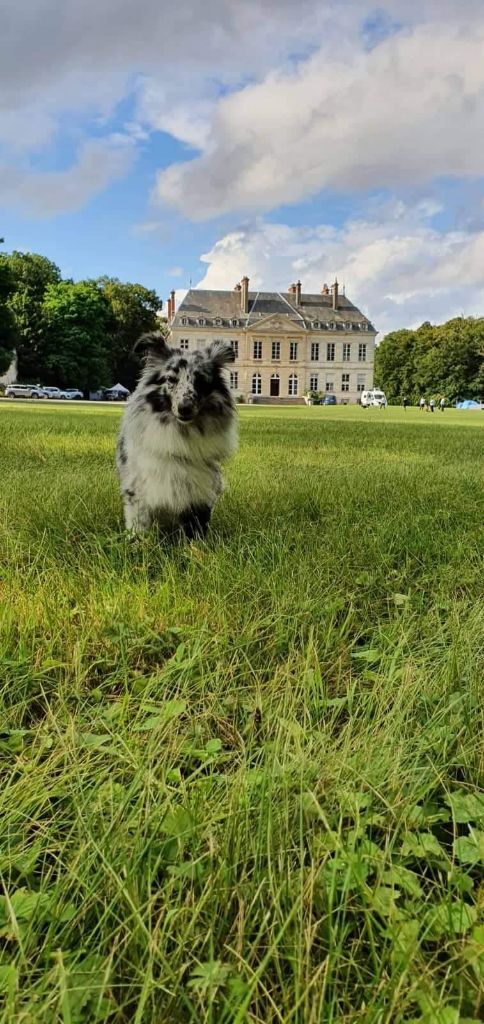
(286,344)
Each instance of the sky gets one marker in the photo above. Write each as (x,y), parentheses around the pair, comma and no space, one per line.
(197,142)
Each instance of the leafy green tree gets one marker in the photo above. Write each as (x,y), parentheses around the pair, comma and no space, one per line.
(457,358)
(8,336)
(135,310)
(76,337)
(394,364)
(443,359)
(31,274)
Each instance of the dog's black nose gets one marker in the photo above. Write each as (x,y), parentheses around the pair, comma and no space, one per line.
(185,410)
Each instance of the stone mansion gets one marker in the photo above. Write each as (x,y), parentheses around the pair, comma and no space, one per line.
(286,343)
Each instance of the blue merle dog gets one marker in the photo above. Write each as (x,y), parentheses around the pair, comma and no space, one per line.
(179,425)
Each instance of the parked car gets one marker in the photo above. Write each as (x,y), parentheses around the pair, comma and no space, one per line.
(24,391)
(74,393)
(376,398)
(329,400)
(52,392)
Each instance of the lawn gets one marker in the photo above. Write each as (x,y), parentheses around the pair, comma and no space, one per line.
(240,779)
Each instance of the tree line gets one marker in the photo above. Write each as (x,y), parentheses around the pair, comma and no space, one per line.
(81,334)
(71,334)
(433,361)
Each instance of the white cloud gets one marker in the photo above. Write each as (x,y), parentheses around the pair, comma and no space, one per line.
(45,193)
(397,268)
(163,231)
(69,53)
(280,99)
(27,130)
(64,63)
(410,109)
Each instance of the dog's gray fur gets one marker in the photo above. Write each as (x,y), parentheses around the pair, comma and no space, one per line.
(179,425)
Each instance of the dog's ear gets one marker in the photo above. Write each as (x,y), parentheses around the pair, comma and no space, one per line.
(152,346)
(220,353)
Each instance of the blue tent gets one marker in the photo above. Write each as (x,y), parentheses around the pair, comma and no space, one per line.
(468,404)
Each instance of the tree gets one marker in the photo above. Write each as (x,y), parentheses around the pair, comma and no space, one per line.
(8,335)
(445,359)
(76,336)
(394,364)
(31,273)
(457,358)
(135,311)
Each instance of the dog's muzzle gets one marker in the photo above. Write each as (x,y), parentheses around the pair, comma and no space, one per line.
(186,411)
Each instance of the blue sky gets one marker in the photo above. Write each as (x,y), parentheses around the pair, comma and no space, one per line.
(110,232)
(204,142)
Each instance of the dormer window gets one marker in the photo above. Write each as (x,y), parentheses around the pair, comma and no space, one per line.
(332,325)
(201,321)
(235,323)
(316,325)
(364,326)
(347,327)
(184,321)
(218,322)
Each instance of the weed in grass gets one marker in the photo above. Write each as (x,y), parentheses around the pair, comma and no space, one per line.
(241,780)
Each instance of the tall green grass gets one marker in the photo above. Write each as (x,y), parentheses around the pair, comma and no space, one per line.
(240,779)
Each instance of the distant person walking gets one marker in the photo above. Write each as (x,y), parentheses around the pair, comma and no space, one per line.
(404,402)
(422,404)
(442,404)
(431,405)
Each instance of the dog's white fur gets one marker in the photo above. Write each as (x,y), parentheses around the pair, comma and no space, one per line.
(170,469)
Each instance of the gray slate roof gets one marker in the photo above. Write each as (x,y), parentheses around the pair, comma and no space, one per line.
(225,306)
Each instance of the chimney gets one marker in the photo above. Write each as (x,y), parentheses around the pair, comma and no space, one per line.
(325,289)
(298,293)
(172,296)
(335,293)
(168,309)
(244,295)
(292,289)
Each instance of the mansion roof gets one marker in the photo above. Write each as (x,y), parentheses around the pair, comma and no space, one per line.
(223,309)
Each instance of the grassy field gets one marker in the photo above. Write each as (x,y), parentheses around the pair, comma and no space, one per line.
(240,779)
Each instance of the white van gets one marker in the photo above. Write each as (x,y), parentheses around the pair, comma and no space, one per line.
(375,397)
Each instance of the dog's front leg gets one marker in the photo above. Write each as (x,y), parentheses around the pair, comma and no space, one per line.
(137,517)
(195,521)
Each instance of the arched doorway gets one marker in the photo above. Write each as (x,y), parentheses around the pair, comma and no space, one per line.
(275,382)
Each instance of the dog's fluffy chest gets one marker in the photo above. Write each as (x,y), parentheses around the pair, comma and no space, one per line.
(174,483)
(175,469)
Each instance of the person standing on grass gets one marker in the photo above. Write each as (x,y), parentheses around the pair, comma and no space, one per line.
(431,405)
(442,404)
(422,404)
(404,403)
